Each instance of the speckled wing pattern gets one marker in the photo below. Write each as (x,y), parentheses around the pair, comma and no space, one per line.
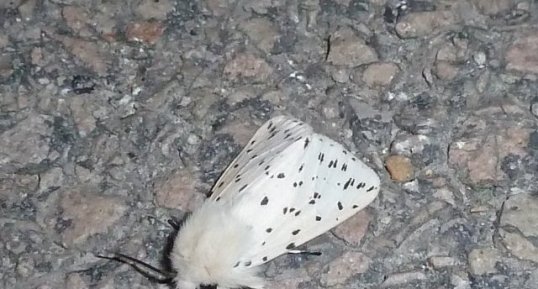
(292,185)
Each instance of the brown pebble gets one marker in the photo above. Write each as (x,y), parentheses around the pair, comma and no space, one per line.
(399,168)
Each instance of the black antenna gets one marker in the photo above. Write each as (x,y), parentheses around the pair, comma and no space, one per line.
(145,269)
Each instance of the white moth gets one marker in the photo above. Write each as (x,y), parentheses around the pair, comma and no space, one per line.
(288,186)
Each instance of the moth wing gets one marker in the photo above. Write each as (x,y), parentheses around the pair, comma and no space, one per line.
(324,185)
(269,141)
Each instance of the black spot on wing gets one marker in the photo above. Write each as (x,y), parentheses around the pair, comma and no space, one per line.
(306,142)
(264,259)
(370,188)
(340,207)
(264,201)
(312,202)
(248,263)
(347,184)
(297,213)
(355,206)
(243,187)
(281,176)
(290,246)
(269,230)
(318,218)
(295,232)
(237,264)
(301,167)
(344,167)
(361,185)
(285,210)
(321,156)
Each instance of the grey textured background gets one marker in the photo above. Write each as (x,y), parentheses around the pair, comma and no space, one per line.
(116,116)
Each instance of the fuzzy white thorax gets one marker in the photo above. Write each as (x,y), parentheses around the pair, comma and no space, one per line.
(207,248)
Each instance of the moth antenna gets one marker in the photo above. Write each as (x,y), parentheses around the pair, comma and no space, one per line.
(144,268)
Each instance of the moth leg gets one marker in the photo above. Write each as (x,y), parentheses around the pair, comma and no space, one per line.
(174,223)
(313,253)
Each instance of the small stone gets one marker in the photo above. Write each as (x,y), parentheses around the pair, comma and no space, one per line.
(240,94)
(448,52)
(407,144)
(521,55)
(480,59)
(262,32)
(445,195)
(521,211)
(419,24)
(27,142)
(276,97)
(439,262)
(25,266)
(348,49)
(27,8)
(82,109)
(399,279)
(50,180)
(75,281)
(148,32)
(240,130)
(493,7)
(178,191)
(482,261)
(4,40)
(400,168)
(380,74)
(340,75)
(343,268)
(6,67)
(353,229)
(445,70)
(218,7)
(460,281)
(479,157)
(249,66)
(154,9)
(87,214)
(77,19)
(519,246)
(88,52)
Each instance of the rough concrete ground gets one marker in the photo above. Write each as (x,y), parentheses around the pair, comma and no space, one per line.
(117,115)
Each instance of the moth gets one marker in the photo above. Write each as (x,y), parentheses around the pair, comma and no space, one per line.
(286,187)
